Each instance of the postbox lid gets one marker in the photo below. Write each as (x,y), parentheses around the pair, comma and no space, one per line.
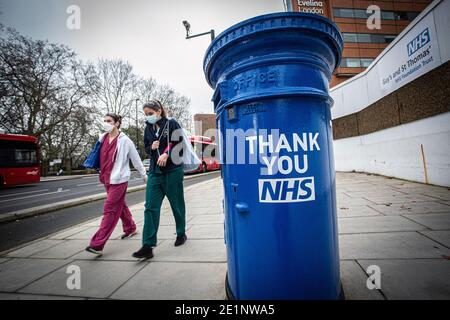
(273,22)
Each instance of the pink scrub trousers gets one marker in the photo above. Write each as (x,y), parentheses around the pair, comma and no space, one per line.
(115,207)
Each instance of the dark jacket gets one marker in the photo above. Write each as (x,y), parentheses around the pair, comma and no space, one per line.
(150,136)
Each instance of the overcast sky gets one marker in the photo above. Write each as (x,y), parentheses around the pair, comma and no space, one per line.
(147,33)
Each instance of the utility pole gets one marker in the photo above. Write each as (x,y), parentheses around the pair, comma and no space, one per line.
(137,128)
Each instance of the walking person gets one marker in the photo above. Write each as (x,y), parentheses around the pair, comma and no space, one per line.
(116,151)
(165,178)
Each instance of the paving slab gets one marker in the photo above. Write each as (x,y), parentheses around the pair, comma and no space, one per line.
(377,224)
(204,211)
(378,193)
(17,273)
(176,281)
(99,279)
(206,231)
(411,208)
(62,250)
(354,282)
(356,211)
(22,296)
(440,221)
(33,248)
(424,279)
(350,202)
(442,237)
(68,232)
(394,245)
(405,198)
(208,219)
(210,250)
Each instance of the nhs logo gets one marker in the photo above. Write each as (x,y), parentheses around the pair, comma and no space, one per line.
(286,190)
(418,42)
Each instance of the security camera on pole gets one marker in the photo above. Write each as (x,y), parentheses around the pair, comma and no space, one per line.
(187,25)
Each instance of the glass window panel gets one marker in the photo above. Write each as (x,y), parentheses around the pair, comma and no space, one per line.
(350,63)
(401,15)
(365,62)
(25,156)
(346,13)
(349,37)
(359,13)
(387,15)
(364,37)
(412,15)
(388,38)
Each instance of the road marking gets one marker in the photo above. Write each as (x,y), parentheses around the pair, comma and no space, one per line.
(86,184)
(15,194)
(36,195)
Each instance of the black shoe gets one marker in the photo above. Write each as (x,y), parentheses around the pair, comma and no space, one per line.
(145,252)
(180,240)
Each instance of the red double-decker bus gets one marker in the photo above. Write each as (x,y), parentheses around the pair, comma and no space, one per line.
(19,159)
(206,151)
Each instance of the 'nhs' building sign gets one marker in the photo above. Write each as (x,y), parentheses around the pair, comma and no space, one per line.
(418,42)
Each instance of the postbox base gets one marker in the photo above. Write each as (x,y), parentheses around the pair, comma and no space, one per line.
(230,295)
(228,289)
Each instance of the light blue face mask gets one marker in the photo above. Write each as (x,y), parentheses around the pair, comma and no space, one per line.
(152,119)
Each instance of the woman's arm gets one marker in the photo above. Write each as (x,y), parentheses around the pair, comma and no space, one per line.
(136,159)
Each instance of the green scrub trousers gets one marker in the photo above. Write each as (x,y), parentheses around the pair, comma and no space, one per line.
(159,185)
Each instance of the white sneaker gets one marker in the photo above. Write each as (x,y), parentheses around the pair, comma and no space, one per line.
(128,235)
(94,251)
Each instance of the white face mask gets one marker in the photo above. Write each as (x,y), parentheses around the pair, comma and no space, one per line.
(107,127)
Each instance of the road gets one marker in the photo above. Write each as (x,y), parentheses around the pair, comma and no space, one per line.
(30,196)
(21,231)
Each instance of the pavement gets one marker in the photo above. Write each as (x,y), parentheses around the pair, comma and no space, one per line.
(402,227)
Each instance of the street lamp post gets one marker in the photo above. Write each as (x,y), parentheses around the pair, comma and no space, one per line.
(187,26)
(137,128)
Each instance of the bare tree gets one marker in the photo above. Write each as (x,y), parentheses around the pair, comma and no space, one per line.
(39,84)
(114,84)
(45,92)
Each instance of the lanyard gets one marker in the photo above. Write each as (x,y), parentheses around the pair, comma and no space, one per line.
(159,137)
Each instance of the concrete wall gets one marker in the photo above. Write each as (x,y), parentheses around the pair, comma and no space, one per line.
(384,117)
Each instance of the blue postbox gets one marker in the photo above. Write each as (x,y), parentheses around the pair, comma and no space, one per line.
(271,76)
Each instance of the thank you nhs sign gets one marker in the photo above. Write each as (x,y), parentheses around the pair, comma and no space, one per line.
(286,166)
